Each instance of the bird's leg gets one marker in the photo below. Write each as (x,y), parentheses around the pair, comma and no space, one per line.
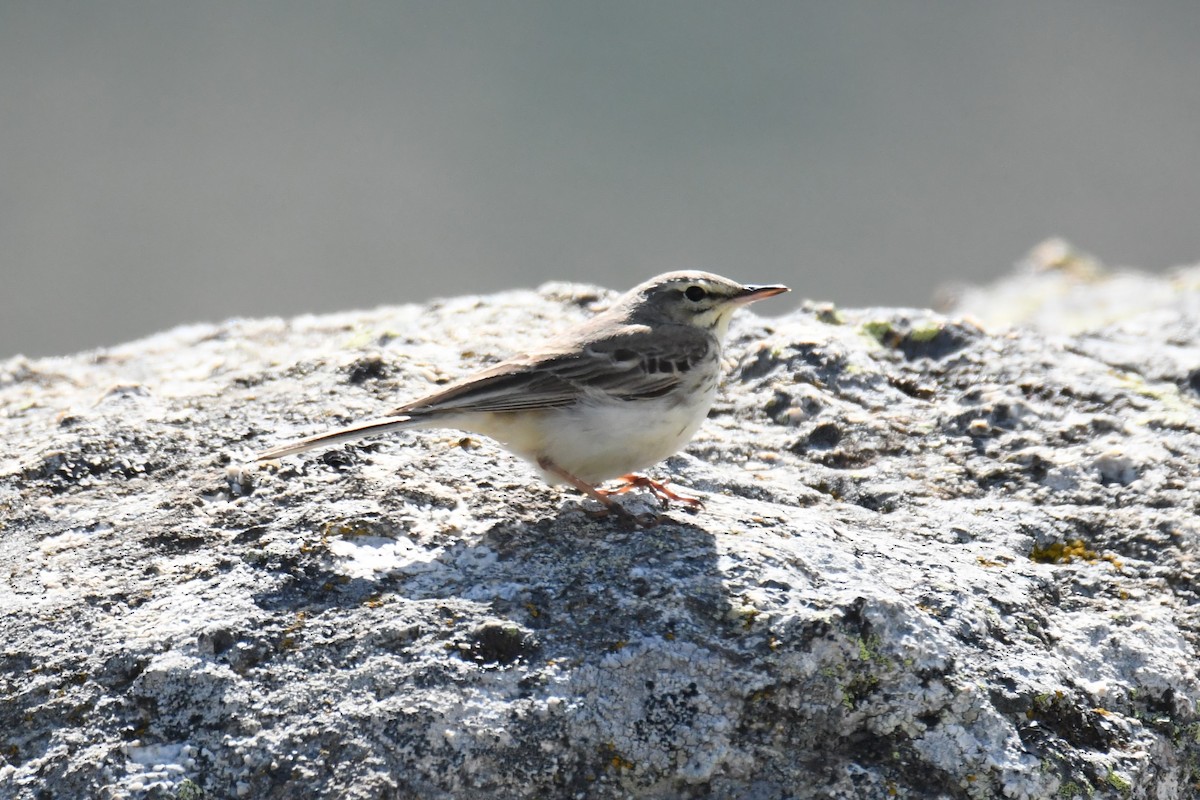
(610,506)
(582,486)
(657,488)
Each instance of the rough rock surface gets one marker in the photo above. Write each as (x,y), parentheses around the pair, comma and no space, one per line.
(936,561)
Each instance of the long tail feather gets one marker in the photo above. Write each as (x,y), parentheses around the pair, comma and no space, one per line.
(357,431)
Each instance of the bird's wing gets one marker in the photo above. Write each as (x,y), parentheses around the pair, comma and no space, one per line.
(635,364)
(630,364)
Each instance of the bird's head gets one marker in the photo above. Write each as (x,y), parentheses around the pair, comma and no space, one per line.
(692,298)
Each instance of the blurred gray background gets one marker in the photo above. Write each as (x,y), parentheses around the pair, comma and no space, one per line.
(169,162)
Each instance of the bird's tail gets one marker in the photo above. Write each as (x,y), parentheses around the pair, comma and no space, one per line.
(360,430)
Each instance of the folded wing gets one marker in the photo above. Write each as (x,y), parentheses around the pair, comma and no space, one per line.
(629,365)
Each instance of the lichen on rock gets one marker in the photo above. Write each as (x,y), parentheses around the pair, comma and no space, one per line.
(939,558)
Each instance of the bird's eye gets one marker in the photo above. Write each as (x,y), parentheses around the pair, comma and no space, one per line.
(695,294)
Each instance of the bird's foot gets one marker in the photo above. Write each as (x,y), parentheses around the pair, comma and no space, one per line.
(610,507)
(657,488)
(626,518)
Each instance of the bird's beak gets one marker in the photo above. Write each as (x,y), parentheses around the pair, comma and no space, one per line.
(751,294)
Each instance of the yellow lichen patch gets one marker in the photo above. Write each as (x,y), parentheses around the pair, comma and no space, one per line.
(882,331)
(608,751)
(1044,701)
(926,332)
(289,633)
(1118,781)
(347,529)
(359,338)
(1067,552)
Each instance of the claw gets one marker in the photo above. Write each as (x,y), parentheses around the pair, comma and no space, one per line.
(657,488)
(627,519)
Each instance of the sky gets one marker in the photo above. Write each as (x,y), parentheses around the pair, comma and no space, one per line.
(164,163)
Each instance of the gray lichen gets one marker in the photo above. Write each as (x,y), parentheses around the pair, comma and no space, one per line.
(936,561)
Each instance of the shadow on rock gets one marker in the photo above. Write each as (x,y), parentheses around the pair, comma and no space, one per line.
(569,584)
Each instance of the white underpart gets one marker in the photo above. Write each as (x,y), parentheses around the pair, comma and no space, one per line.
(598,440)
(610,440)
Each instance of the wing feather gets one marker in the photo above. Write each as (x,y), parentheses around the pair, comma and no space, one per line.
(632,364)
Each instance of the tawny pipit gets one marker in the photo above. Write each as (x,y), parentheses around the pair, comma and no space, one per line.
(607,398)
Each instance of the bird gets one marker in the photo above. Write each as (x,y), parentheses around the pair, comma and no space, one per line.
(605,399)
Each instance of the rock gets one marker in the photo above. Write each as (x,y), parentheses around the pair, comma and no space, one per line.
(1060,289)
(937,560)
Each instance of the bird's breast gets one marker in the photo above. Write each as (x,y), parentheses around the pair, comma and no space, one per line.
(600,437)
(599,440)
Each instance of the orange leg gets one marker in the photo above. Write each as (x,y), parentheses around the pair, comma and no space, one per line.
(582,486)
(602,497)
(657,488)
